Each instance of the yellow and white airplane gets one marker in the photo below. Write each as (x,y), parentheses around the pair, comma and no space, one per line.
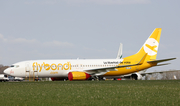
(83,69)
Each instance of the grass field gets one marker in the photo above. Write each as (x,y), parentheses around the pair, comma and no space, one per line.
(83,93)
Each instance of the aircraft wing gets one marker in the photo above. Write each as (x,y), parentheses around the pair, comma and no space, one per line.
(101,71)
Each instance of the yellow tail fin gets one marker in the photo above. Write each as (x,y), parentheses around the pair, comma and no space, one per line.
(150,47)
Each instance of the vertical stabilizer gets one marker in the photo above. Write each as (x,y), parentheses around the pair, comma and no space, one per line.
(119,55)
(150,47)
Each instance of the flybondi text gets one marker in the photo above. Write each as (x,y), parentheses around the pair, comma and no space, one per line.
(53,66)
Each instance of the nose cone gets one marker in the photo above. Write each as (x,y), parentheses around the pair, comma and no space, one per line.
(8,71)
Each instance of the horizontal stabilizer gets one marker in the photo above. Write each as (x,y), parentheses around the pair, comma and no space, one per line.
(158,61)
(163,64)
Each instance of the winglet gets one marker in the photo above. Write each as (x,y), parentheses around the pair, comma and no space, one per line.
(142,60)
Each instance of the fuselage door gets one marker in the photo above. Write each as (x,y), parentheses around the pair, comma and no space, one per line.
(29,72)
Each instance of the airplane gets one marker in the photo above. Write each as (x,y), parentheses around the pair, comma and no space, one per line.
(86,69)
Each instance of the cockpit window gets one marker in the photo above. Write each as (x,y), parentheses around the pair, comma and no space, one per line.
(15,66)
(12,65)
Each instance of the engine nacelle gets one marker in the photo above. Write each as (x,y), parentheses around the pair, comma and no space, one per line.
(136,76)
(78,76)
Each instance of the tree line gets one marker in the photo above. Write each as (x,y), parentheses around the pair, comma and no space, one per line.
(2,68)
(166,75)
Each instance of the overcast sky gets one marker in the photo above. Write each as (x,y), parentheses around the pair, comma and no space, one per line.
(91,29)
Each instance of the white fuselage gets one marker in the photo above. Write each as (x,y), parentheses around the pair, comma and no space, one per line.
(57,68)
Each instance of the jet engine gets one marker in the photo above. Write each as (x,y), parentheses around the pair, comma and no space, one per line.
(78,76)
(136,76)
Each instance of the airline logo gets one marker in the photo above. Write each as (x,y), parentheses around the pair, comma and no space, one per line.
(53,66)
(151,46)
(11,72)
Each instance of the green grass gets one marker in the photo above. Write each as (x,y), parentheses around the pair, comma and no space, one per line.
(83,93)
